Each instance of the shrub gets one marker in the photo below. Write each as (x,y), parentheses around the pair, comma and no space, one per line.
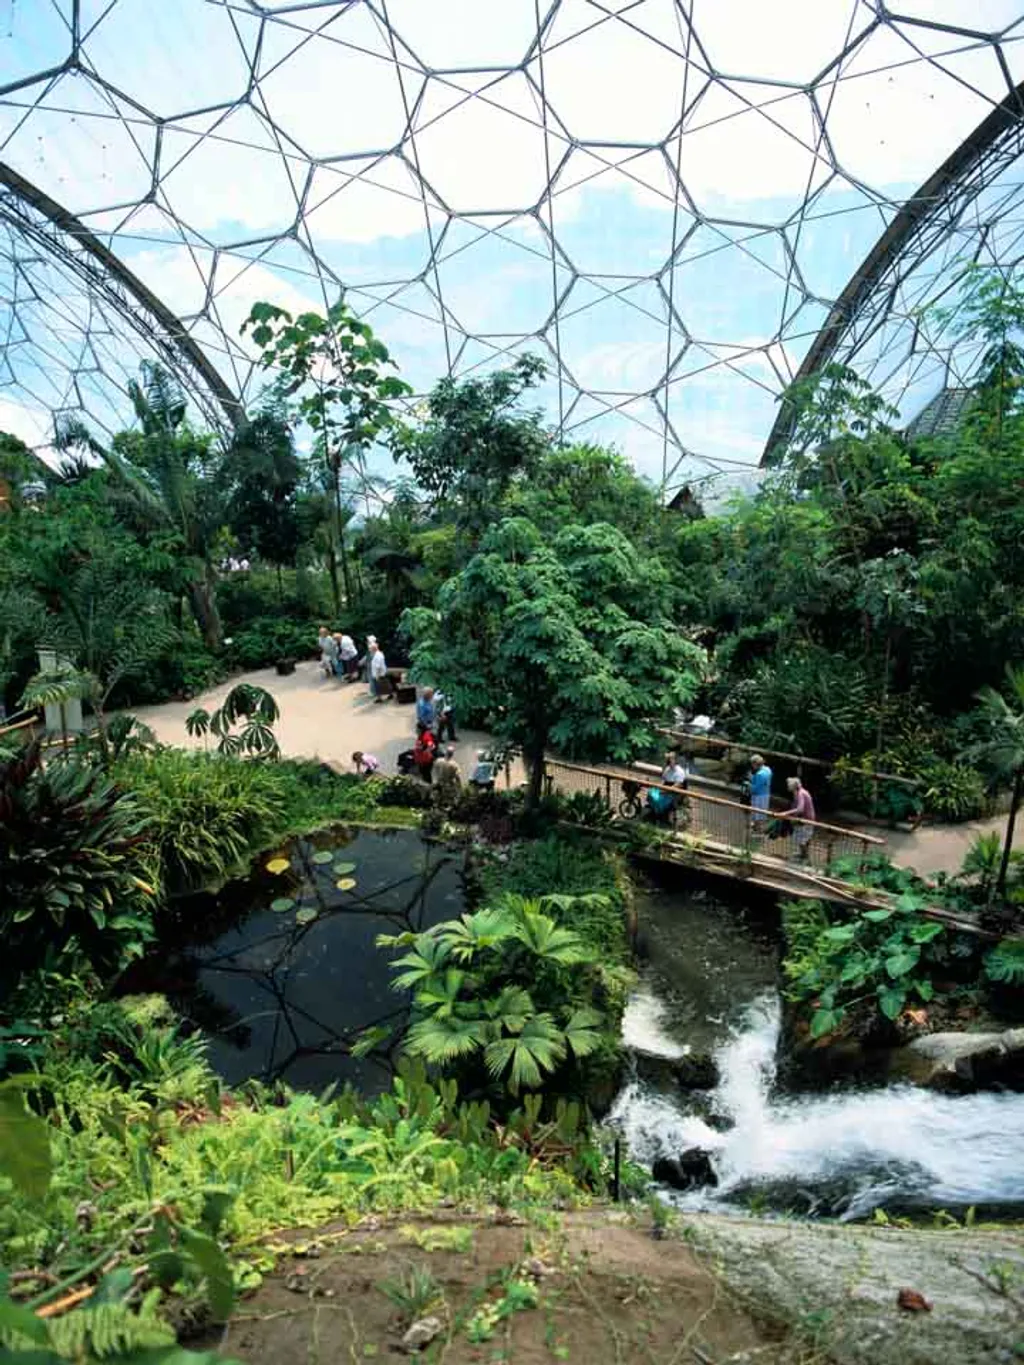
(206,814)
(402,791)
(953,791)
(270,638)
(1005,963)
(70,865)
(884,956)
(185,669)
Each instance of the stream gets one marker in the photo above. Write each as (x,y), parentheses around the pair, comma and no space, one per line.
(710,985)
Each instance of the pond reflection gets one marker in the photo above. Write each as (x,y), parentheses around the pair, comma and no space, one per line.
(281,970)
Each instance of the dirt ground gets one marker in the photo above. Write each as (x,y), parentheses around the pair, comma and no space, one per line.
(603,1292)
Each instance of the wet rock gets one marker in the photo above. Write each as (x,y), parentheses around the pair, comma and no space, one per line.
(690,1171)
(693,1071)
(421,1334)
(960,1063)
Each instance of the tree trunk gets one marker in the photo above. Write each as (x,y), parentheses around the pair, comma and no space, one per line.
(880,729)
(332,570)
(1018,790)
(204,608)
(534,756)
(340,522)
(280,587)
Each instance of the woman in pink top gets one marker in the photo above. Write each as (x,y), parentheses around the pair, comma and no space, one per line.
(803,809)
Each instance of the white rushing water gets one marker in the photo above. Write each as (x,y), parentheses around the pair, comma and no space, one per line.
(867,1146)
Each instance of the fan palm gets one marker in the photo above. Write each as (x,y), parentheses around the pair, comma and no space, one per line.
(1002,753)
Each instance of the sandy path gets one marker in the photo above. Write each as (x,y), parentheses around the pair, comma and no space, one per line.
(321,718)
(325,719)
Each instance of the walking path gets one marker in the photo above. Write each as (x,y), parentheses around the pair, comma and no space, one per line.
(321,718)
(324,719)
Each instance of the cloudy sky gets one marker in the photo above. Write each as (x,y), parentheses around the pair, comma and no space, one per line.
(660,196)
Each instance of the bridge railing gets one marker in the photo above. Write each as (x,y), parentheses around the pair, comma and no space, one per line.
(716,819)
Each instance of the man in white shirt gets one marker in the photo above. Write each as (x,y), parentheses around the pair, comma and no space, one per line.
(378,671)
(347,654)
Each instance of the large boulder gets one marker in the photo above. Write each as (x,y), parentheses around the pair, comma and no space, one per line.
(690,1171)
(691,1071)
(961,1063)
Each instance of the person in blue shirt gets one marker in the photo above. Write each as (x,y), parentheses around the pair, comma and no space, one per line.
(760,790)
(426,711)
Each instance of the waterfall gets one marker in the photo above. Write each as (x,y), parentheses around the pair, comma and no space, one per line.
(846,1152)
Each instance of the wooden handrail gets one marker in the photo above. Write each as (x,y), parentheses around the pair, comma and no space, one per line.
(684,736)
(18,725)
(630,775)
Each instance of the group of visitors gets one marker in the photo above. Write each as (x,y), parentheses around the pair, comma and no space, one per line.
(759,789)
(340,658)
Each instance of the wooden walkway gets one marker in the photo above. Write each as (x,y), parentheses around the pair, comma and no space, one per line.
(725,838)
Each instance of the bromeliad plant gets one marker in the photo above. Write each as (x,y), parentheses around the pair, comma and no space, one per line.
(70,868)
(505,986)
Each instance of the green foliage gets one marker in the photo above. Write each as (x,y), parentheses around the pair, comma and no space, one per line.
(205,814)
(269,638)
(70,867)
(475,982)
(879,958)
(1005,963)
(255,708)
(476,441)
(533,634)
(952,791)
(414,1293)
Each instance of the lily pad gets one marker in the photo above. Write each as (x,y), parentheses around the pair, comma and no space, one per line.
(343,869)
(345,883)
(278,865)
(305,914)
(323,856)
(282,903)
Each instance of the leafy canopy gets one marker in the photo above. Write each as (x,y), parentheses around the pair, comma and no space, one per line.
(564,641)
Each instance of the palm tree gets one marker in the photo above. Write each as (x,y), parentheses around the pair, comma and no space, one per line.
(162,477)
(1002,753)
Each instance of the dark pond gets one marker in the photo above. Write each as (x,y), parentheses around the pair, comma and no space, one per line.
(281,972)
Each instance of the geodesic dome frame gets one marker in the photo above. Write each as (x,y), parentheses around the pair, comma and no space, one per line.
(589,179)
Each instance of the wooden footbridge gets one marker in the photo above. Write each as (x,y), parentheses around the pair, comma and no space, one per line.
(726,838)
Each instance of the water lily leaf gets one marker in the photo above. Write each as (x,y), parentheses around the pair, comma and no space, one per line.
(345,883)
(343,869)
(278,865)
(282,903)
(323,856)
(306,914)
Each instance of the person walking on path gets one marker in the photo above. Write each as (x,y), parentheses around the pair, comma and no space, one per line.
(365,764)
(377,669)
(447,778)
(426,711)
(484,772)
(760,790)
(801,809)
(445,717)
(347,655)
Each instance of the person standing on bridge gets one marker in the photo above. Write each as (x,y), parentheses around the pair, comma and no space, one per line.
(760,790)
(801,809)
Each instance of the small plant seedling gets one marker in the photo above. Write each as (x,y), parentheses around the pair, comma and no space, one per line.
(413,1293)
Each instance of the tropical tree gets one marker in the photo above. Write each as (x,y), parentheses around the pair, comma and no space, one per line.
(334,369)
(476,439)
(163,486)
(1002,753)
(261,475)
(564,641)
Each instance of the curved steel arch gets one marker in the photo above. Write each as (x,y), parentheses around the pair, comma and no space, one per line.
(42,220)
(925,219)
